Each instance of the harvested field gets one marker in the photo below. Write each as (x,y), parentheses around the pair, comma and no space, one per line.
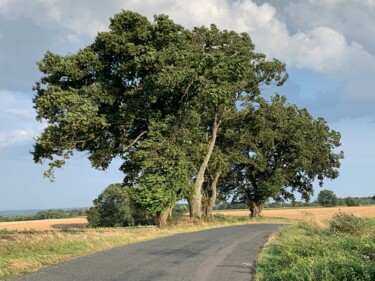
(45,224)
(322,213)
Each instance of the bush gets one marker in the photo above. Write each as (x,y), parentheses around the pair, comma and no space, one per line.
(113,207)
(179,211)
(348,223)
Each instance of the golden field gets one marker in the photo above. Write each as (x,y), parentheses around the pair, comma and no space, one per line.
(299,213)
(45,224)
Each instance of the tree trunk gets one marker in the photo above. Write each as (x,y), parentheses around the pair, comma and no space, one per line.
(212,199)
(196,197)
(255,209)
(164,218)
(189,199)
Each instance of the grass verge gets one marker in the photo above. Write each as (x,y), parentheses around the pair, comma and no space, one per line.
(341,249)
(25,251)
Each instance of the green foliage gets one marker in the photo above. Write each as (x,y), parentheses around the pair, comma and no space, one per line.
(109,98)
(230,219)
(113,207)
(327,198)
(103,98)
(348,224)
(349,201)
(281,150)
(313,253)
(179,212)
(160,96)
(47,214)
(159,170)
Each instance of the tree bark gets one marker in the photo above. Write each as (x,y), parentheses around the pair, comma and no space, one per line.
(255,209)
(212,198)
(164,218)
(196,197)
(189,199)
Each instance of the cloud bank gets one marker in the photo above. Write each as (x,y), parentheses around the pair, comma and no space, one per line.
(328,37)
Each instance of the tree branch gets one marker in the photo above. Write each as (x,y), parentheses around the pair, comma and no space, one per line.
(134,141)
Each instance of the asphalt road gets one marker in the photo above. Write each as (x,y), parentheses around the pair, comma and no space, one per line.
(220,254)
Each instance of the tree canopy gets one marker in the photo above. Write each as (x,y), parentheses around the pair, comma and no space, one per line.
(165,100)
(280,150)
(327,198)
(114,207)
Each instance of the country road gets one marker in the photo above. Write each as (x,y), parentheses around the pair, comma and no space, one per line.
(220,254)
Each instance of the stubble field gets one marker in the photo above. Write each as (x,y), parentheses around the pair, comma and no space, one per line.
(80,222)
(300,213)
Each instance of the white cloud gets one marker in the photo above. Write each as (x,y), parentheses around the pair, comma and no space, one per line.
(16,137)
(330,37)
(319,44)
(16,104)
(17,119)
(3,4)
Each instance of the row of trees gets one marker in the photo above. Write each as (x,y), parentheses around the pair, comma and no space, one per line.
(347,201)
(47,214)
(183,110)
(327,198)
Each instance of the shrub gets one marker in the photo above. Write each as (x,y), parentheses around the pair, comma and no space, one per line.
(179,212)
(347,223)
(113,207)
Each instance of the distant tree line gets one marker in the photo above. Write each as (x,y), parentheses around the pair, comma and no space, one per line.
(47,214)
(326,198)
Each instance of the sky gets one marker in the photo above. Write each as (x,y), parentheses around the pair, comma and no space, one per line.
(327,45)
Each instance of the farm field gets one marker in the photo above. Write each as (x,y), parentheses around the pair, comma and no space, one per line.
(299,213)
(81,222)
(45,224)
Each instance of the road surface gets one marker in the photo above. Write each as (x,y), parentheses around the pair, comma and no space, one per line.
(221,254)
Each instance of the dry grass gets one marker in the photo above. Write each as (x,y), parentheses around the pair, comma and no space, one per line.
(300,213)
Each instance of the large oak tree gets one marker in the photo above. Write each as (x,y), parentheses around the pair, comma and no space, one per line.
(104,99)
(280,150)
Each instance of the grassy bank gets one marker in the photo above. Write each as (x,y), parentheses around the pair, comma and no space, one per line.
(26,251)
(342,249)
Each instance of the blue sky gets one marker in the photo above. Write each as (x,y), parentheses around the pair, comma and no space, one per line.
(328,46)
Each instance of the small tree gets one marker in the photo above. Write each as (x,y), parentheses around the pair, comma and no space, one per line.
(327,198)
(113,207)
(349,201)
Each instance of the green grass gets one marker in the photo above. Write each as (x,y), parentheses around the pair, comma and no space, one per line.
(343,250)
